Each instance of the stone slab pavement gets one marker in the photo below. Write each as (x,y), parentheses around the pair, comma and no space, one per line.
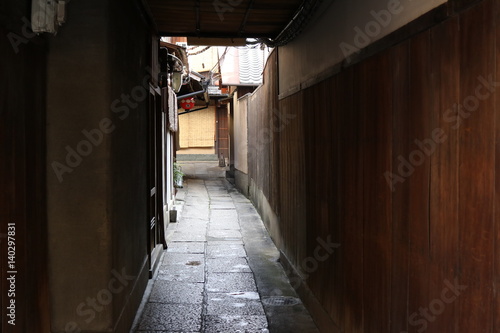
(220,272)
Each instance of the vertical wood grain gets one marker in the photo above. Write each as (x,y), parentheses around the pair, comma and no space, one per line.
(400,191)
(420,104)
(444,172)
(352,245)
(374,86)
(476,173)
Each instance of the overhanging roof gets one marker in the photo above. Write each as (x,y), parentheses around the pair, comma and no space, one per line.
(223,18)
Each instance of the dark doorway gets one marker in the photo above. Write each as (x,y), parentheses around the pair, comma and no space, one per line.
(156,238)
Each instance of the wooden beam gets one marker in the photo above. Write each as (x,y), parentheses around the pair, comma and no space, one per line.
(198,24)
(245,19)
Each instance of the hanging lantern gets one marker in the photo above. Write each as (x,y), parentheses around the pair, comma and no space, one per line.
(187,103)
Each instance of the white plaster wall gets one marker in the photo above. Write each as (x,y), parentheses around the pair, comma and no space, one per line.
(241,134)
(332,36)
(204,61)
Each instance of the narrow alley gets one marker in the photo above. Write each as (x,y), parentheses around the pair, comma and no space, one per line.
(339,160)
(221,271)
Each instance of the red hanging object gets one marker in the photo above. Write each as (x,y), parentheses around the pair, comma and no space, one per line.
(187,104)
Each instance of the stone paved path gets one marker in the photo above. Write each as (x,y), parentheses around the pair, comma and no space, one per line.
(220,272)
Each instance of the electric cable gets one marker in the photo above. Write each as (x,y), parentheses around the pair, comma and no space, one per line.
(296,25)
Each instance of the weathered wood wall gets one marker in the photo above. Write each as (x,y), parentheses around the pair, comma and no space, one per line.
(395,160)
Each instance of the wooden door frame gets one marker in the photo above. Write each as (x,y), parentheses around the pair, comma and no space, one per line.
(155,187)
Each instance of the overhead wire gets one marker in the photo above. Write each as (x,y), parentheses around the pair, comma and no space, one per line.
(296,25)
(199,52)
(221,58)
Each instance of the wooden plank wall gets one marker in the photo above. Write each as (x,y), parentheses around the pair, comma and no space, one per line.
(421,253)
(263,134)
